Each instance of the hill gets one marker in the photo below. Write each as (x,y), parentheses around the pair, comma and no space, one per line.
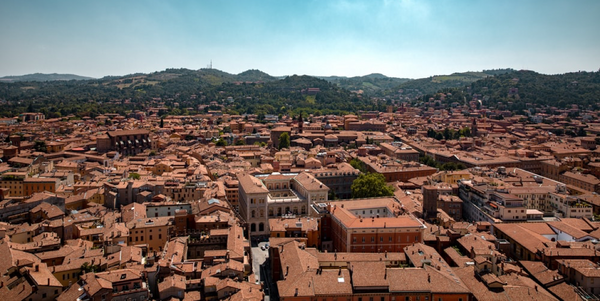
(254,75)
(41,77)
(435,83)
(182,91)
(374,84)
(522,89)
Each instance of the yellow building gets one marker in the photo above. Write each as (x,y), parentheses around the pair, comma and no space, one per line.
(13,181)
(452,177)
(68,272)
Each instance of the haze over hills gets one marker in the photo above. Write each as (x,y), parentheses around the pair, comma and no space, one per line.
(184,91)
(42,77)
(374,84)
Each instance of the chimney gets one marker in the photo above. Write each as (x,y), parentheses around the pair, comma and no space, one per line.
(339,271)
(428,278)
(296,293)
(287,270)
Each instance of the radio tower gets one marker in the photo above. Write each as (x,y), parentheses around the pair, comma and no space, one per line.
(210,65)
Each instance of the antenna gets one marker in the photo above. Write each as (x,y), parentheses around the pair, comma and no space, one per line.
(209,65)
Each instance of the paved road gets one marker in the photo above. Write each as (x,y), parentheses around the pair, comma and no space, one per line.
(258,267)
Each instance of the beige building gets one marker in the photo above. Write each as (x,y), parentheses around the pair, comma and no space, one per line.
(150,232)
(276,195)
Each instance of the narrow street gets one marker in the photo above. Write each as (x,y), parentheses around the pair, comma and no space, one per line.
(260,267)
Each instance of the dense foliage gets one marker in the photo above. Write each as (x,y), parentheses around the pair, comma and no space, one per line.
(284,140)
(523,90)
(181,91)
(435,83)
(429,161)
(372,85)
(370,185)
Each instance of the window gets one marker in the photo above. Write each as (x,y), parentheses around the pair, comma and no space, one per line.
(150,237)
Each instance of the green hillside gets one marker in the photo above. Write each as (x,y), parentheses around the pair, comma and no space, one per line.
(178,89)
(435,83)
(515,90)
(374,84)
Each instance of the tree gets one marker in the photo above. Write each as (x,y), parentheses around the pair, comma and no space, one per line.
(221,142)
(134,176)
(371,185)
(358,165)
(240,142)
(284,140)
(86,267)
(39,146)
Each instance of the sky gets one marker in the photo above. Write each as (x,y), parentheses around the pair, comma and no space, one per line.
(403,38)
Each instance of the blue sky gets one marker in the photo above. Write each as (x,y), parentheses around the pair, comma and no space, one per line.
(403,38)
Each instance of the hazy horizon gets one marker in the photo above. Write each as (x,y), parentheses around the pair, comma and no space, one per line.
(406,38)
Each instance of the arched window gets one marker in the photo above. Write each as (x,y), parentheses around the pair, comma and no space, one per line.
(253,228)
(270,211)
(262,213)
(303,210)
(253,213)
(295,210)
(261,227)
(279,211)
